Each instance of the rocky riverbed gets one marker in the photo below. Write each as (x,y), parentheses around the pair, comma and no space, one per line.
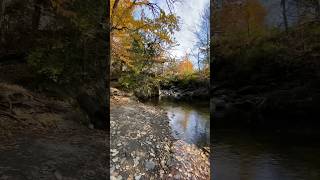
(142,146)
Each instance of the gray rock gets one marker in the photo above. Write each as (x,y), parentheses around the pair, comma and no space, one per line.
(137,177)
(150,165)
(58,175)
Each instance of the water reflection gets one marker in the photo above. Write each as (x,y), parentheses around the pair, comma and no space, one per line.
(190,121)
(244,156)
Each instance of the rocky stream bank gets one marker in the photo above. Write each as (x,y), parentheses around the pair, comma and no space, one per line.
(142,146)
(288,107)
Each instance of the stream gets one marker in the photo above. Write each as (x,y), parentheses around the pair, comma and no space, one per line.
(189,121)
(242,155)
(239,155)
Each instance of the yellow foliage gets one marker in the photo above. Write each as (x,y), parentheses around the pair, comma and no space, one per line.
(125,27)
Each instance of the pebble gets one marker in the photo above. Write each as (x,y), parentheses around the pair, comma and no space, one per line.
(177,176)
(150,165)
(115,159)
(161,173)
(136,161)
(163,163)
(122,160)
(112,169)
(116,178)
(115,153)
(137,177)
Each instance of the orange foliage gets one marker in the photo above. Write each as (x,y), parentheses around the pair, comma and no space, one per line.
(185,67)
(241,16)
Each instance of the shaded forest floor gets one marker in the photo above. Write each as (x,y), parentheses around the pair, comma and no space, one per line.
(142,146)
(43,139)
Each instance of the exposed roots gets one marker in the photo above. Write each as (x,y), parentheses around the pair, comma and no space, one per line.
(19,107)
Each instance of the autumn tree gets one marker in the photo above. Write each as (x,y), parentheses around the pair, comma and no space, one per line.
(185,67)
(236,24)
(240,18)
(141,33)
(129,20)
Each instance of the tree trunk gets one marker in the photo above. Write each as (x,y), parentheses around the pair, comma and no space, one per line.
(317,10)
(3,20)
(199,61)
(284,15)
(115,5)
(108,60)
(36,15)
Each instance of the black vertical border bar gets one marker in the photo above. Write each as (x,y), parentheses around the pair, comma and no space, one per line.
(211,158)
(107,81)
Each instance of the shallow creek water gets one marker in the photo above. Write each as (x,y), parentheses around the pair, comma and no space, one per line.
(189,120)
(190,125)
(239,155)
(242,155)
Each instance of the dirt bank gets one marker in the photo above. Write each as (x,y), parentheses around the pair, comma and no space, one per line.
(43,139)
